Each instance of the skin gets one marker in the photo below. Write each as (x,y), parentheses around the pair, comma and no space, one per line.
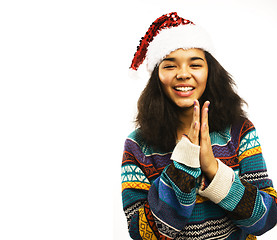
(189,68)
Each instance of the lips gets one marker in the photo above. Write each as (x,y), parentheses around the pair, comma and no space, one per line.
(183,90)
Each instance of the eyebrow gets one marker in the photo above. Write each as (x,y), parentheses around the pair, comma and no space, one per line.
(197,58)
(191,59)
(169,59)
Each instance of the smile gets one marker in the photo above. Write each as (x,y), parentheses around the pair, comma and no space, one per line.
(183,89)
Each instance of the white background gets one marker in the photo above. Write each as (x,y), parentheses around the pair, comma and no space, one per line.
(67,103)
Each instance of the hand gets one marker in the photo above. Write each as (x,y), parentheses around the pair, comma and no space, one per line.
(208,162)
(193,135)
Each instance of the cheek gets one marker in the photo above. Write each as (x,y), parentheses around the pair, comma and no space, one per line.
(202,80)
(166,83)
(165,78)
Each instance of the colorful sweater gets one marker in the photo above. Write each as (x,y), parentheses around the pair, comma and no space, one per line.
(167,199)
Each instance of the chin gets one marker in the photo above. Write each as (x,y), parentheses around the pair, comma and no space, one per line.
(185,103)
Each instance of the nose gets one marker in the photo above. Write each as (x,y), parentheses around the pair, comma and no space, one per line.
(183,74)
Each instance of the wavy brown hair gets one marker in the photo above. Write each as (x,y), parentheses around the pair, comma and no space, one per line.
(158,117)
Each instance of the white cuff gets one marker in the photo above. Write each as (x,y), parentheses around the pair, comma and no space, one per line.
(186,153)
(221,184)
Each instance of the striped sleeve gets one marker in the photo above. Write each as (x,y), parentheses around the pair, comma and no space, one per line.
(251,199)
(158,209)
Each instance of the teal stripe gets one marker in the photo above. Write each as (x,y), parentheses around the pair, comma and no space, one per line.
(252,164)
(206,210)
(195,172)
(221,138)
(130,196)
(234,196)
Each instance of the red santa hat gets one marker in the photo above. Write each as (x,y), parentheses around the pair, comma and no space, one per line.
(166,34)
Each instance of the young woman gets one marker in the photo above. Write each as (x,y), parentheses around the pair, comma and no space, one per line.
(193,169)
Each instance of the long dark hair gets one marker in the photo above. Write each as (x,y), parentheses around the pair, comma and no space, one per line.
(158,116)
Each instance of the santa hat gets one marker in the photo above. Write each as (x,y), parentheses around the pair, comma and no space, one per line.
(166,34)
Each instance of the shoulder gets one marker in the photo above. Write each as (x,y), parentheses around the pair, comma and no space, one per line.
(247,127)
(242,126)
(136,142)
(248,140)
(233,132)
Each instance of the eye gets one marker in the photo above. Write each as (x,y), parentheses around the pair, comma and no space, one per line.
(169,66)
(195,65)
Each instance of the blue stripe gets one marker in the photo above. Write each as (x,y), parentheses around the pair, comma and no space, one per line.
(163,211)
(271,219)
(168,196)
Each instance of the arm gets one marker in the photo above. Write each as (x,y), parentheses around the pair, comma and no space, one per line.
(172,196)
(160,209)
(248,198)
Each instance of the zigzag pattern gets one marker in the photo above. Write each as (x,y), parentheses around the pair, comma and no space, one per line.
(161,160)
(227,151)
(253,177)
(165,229)
(211,229)
(133,209)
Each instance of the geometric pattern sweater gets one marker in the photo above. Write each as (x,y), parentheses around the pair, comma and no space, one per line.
(167,199)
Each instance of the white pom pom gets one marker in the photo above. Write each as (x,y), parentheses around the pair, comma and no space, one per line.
(133,74)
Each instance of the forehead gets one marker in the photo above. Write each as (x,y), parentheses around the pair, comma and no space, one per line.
(186,53)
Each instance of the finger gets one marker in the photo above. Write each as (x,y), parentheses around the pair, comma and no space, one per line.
(205,120)
(196,112)
(204,113)
(195,124)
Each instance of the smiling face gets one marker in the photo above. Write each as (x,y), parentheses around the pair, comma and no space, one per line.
(183,74)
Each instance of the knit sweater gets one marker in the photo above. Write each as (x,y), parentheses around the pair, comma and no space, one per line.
(166,196)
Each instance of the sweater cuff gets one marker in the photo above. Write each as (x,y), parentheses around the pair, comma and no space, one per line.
(186,153)
(221,184)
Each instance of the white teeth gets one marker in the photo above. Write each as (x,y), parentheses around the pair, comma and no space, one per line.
(184,89)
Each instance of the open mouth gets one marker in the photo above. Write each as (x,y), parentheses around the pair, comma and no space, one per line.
(184,89)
